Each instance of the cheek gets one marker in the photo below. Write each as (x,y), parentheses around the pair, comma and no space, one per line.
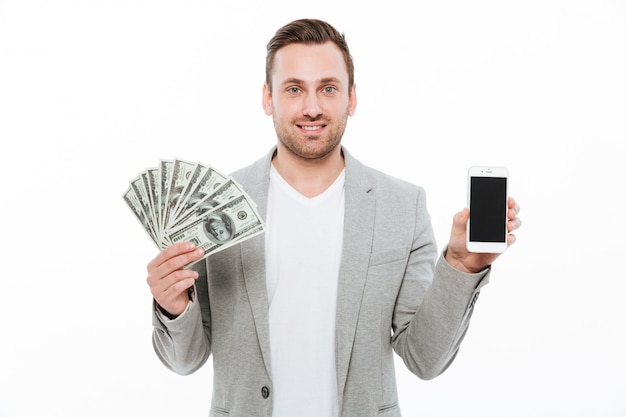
(283,110)
(340,107)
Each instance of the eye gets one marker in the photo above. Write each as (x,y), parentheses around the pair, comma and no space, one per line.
(329,90)
(293,90)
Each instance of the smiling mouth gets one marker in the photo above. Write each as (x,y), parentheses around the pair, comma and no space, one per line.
(311,128)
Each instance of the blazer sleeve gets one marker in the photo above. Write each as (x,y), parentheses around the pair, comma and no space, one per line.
(183,344)
(428,326)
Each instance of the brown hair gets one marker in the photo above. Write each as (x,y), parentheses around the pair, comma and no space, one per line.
(307,31)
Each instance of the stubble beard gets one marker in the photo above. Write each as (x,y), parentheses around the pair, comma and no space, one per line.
(311,147)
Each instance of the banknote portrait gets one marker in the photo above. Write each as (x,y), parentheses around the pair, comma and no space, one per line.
(219,227)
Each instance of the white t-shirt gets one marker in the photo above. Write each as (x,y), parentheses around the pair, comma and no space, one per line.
(303,251)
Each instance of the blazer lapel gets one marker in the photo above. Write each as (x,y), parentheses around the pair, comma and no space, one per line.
(360,208)
(253,258)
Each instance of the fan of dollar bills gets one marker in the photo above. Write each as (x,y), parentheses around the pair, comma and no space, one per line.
(181,201)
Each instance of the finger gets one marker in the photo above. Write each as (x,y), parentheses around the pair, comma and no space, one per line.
(170,252)
(513,212)
(459,225)
(170,265)
(513,206)
(511,202)
(514,224)
(173,284)
(174,299)
(460,218)
(175,257)
(457,231)
(179,261)
(511,239)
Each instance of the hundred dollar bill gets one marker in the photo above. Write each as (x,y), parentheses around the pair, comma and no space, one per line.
(206,184)
(152,176)
(224,226)
(146,180)
(201,204)
(180,175)
(189,186)
(165,174)
(143,200)
(132,201)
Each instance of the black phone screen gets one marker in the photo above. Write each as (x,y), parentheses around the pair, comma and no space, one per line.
(488,209)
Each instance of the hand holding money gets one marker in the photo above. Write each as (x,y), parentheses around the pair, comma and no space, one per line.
(181,201)
(169,280)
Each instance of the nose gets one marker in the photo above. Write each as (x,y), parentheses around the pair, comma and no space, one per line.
(312,106)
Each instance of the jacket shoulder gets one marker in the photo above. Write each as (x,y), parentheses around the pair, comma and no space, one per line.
(255,173)
(384,185)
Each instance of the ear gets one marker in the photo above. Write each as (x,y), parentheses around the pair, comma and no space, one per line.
(352,101)
(267,100)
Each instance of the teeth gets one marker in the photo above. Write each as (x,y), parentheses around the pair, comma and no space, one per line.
(311,127)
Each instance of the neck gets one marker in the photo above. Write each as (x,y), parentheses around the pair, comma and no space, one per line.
(309,177)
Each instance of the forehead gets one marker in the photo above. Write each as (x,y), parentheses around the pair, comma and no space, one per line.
(309,63)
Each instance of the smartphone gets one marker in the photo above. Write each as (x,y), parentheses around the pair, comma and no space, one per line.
(487,190)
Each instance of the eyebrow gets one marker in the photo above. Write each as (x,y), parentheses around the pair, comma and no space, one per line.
(325,80)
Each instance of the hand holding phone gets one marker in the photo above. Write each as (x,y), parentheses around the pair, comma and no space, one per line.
(487,202)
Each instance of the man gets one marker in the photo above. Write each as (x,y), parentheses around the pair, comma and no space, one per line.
(303,320)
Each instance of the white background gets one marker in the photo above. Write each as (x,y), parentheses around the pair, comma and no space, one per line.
(93,92)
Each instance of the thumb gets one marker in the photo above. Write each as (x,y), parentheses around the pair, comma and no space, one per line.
(457,232)
(459,222)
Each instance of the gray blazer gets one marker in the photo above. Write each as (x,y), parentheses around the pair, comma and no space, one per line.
(392,296)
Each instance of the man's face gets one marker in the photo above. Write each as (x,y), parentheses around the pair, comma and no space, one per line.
(310,100)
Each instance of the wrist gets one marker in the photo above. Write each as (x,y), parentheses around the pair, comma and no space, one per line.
(179,309)
(166,313)
(457,263)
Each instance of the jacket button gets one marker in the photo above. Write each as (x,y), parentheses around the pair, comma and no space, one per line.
(265,392)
